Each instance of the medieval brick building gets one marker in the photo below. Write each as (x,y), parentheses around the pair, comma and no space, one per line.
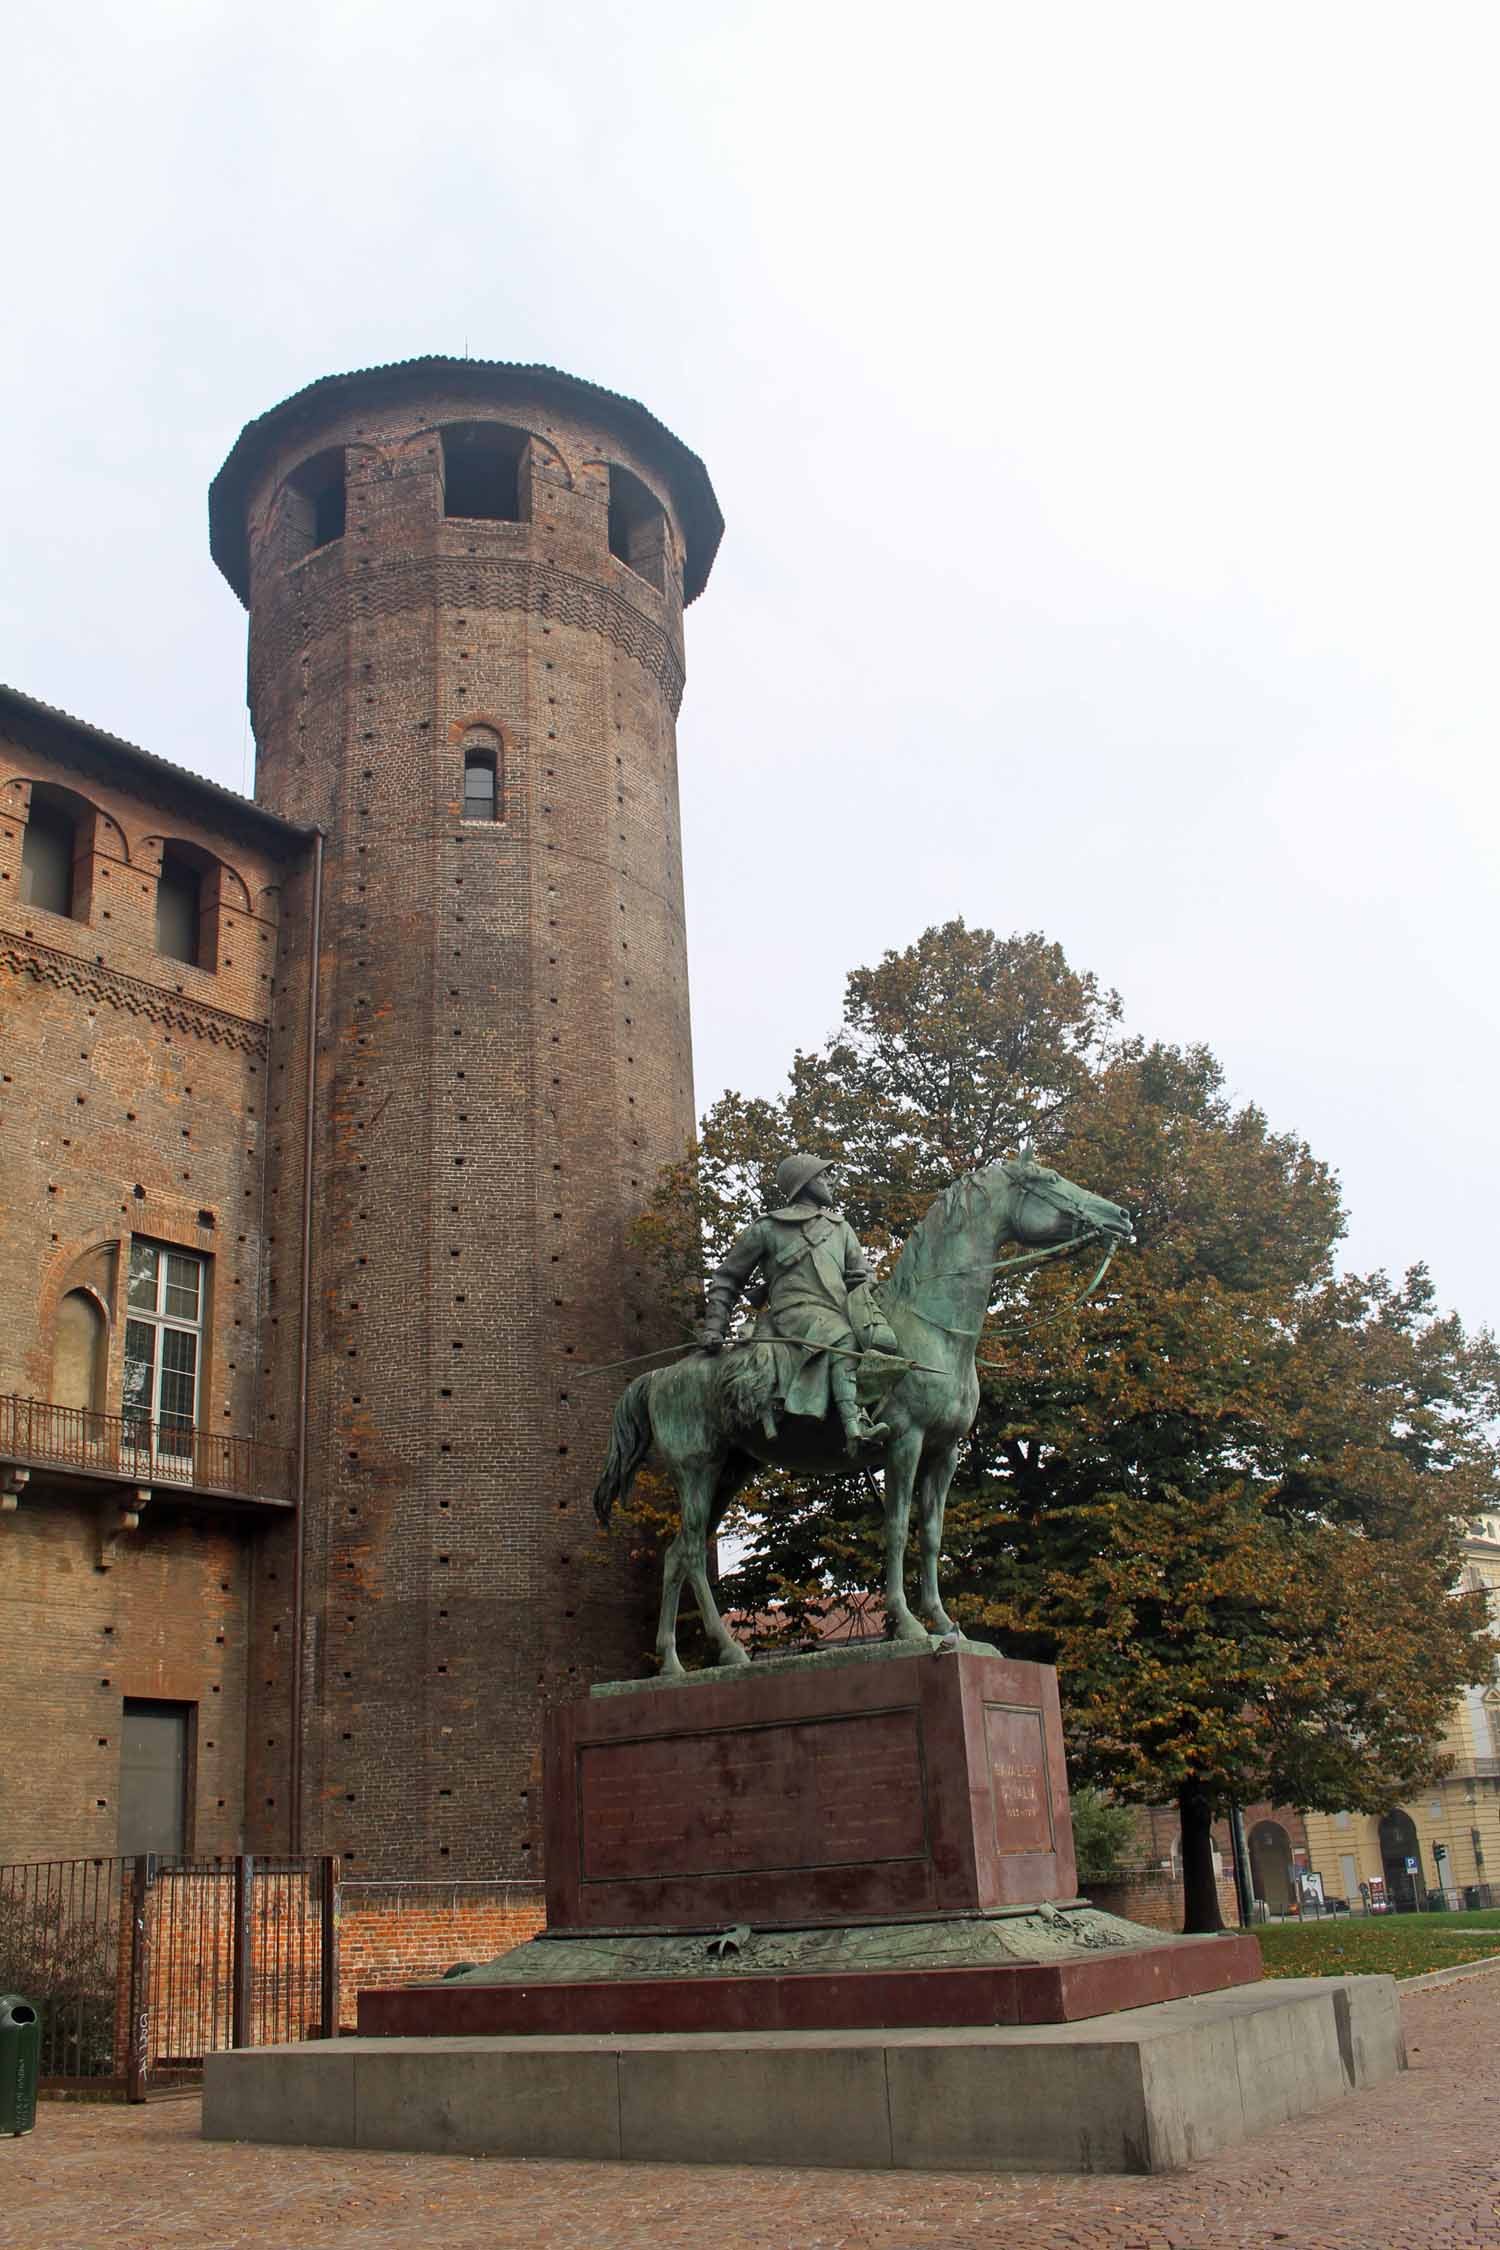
(325,1118)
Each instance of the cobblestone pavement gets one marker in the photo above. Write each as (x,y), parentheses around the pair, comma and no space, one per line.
(1412,2166)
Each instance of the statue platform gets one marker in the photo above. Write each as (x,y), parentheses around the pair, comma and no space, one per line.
(1150,2090)
(856,1840)
(822,1911)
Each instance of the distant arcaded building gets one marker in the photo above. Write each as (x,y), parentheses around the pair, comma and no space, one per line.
(1448,1837)
(325,1120)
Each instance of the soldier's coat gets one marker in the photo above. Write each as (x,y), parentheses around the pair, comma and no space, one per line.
(810,1259)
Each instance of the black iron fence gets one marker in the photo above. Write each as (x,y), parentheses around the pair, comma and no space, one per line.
(60,1936)
(35,1432)
(140,1967)
(1454,1898)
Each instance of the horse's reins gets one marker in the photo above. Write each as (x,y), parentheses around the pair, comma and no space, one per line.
(1010,1265)
(1024,1327)
(967,1335)
(799,1343)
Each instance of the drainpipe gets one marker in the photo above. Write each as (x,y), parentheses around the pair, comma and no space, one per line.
(304,1343)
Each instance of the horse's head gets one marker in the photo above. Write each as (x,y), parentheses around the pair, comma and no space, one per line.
(1046,1209)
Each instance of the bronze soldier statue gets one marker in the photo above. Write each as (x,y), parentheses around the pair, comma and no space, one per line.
(699,1414)
(817,1293)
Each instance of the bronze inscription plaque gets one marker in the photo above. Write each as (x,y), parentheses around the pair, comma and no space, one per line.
(745,1800)
(1017,1750)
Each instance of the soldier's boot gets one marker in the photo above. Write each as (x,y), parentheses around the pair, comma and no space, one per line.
(859,1430)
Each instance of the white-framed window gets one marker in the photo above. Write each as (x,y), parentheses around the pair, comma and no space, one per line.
(165,1304)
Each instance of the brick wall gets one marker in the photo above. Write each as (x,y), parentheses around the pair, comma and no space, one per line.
(402,1933)
(390,1934)
(1153,1897)
(166,1622)
(132,1099)
(134,1084)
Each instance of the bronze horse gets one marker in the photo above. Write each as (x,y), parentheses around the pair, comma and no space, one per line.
(704,1416)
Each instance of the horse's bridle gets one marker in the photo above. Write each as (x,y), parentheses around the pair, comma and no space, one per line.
(1056,1203)
(1079,1241)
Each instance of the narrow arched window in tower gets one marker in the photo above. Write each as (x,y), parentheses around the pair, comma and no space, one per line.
(179,906)
(482,775)
(637,527)
(48,851)
(317,502)
(482,471)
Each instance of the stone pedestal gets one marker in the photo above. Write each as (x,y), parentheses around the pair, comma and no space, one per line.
(842,1789)
(866,1839)
(822,1911)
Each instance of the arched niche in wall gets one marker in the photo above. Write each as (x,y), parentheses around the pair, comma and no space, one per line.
(488,470)
(1401,1859)
(79,1352)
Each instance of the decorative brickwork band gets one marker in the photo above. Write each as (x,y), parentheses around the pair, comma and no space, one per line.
(453,581)
(174,1011)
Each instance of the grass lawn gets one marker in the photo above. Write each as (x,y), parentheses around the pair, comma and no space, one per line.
(1398,1945)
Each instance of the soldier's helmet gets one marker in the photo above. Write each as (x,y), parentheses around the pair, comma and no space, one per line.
(793,1174)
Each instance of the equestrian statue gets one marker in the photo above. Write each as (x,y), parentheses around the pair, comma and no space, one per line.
(825,1335)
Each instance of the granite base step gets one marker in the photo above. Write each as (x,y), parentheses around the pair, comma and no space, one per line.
(1151,2090)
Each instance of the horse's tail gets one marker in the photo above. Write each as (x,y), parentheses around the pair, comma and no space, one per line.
(629,1443)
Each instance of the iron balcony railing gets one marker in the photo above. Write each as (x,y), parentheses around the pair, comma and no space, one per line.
(1474,1769)
(36,1433)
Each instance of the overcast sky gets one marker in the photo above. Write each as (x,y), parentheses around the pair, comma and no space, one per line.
(1103,401)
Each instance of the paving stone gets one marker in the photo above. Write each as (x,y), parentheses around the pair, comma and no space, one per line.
(1413,2165)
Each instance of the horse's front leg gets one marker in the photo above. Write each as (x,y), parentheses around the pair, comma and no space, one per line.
(901,1459)
(932,1497)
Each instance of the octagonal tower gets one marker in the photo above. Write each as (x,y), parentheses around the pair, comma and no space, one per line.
(465,584)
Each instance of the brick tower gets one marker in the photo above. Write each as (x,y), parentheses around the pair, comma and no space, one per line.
(465,584)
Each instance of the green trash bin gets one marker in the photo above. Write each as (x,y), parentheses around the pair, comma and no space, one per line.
(20,2059)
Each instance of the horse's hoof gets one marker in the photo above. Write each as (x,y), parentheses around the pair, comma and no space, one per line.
(670,1667)
(911,1634)
(731,1655)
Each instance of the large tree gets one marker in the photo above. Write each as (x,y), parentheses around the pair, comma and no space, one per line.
(1226,1495)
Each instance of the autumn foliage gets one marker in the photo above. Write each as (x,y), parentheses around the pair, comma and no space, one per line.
(1225,1495)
